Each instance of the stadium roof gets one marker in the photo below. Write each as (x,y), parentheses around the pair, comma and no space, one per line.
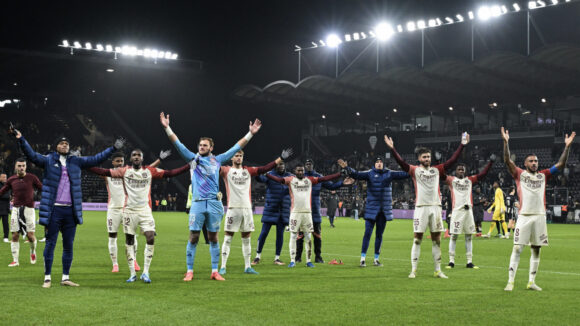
(552,71)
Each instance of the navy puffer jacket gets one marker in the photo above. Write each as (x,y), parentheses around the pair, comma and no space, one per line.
(379,190)
(52,172)
(277,208)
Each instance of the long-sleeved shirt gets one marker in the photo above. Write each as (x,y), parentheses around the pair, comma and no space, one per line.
(137,183)
(22,189)
(205,170)
(498,206)
(239,182)
(301,190)
(461,188)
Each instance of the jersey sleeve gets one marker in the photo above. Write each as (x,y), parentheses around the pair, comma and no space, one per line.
(170,173)
(224,171)
(118,173)
(100,171)
(441,168)
(36,182)
(184,152)
(225,157)
(287,180)
(156,173)
(550,172)
(472,178)
(517,173)
(412,169)
(253,171)
(449,180)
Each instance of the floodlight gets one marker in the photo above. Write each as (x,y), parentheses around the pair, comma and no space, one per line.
(483,13)
(459,18)
(400,28)
(431,23)
(449,20)
(100,47)
(333,41)
(174,56)
(532,5)
(77,45)
(471,15)
(384,31)
(421,24)
(88,46)
(517,7)
(363,35)
(495,11)
(411,26)
(65,43)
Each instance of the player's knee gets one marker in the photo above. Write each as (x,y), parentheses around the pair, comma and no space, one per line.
(518,249)
(455,237)
(467,237)
(130,239)
(417,241)
(113,235)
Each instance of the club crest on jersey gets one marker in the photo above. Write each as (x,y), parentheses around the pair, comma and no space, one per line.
(540,176)
(144,174)
(245,174)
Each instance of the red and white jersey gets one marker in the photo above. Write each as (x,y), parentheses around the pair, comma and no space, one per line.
(426,182)
(532,191)
(137,184)
(238,185)
(460,189)
(300,193)
(116,192)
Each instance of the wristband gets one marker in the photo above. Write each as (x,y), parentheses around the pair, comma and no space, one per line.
(169,131)
(248,136)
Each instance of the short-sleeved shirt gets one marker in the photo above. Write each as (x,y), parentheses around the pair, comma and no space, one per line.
(426,180)
(238,185)
(22,189)
(532,191)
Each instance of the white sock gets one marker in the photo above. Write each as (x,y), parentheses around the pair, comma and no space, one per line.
(452,245)
(149,249)
(308,246)
(534,263)
(65,277)
(226,249)
(33,247)
(415,254)
(436,252)
(246,251)
(15,247)
(469,248)
(277,257)
(292,246)
(135,244)
(113,250)
(130,252)
(47,277)
(259,255)
(514,261)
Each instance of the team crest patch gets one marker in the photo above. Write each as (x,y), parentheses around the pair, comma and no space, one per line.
(540,176)
(432,171)
(144,174)
(245,173)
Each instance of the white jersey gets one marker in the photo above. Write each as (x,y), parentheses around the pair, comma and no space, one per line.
(300,193)
(461,194)
(137,184)
(426,182)
(116,192)
(238,185)
(532,191)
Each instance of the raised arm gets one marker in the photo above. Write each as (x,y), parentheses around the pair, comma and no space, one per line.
(174,172)
(564,157)
(352,172)
(324,178)
(33,156)
(483,172)
(275,178)
(265,168)
(404,165)
(162,156)
(90,161)
(511,166)
(183,151)
(100,171)
(254,128)
(451,161)
(398,175)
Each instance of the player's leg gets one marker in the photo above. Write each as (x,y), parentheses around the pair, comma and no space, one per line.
(331,218)
(226,250)
(539,238)
(113,251)
(420,223)
(197,217)
(68,230)
(522,235)
(280,227)
(261,241)
(231,226)
(381,223)
(190,253)
(32,242)
(504,227)
(52,231)
(130,229)
(299,246)
(317,240)
(436,227)
(114,219)
(149,250)
(369,226)
(205,236)
(15,243)
(215,211)
(247,227)
(469,229)
(307,243)
(292,246)
(454,224)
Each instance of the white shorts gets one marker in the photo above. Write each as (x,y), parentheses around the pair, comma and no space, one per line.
(427,216)
(133,219)
(239,220)
(301,222)
(531,230)
(462,221)
(114,219)
(29,215)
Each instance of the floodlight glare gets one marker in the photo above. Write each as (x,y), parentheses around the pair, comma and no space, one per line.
(543,100)
(322,43)
(65,43)
(483,13)
(77,45)
(449,20)
(168,55)
(421,24)
(140,52)
(358,114)
(88,46)
(118,49)
(395,110)
(154,53)
(517,7)
(400,28)
(333,41)
(347,37)
(372,34)
(314,44)
(504,10)
(438,21)
(459,18)
(554,2)
(411,26)
(323,116)
(384,31)
(431,23)
(100,47)
(495,11)
(363,35)
(160,54)
(174,56)
(471,15)
(541,3)
(532,5)
(450,108)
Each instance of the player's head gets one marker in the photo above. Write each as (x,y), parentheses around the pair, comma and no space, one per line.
(531,162)
(477,190)
(299,170)
(424,156)
(118,159)
(20,166)
(379,164)
(238,158)
(62,145)
(281,168)
(205,146)
(460,170)
(495,185)
(3,177)
(309,165)
(137,157)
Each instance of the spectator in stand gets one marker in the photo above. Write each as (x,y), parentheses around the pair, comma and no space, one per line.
(164,204)
(4,207)
(331,205)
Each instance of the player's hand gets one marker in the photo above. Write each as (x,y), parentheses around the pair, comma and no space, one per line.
(255,126)
(493,157)
(119,143)
(14,132)
(348,181)
(342,163)
(286,153)
(164,154)
(505,134)
(389,142)
(164,120)
(465,140)
(569,139)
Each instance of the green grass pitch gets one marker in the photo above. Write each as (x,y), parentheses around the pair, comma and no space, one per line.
(327,294)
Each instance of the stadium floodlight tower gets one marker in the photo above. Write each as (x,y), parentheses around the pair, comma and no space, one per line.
(383,32)
(333,41)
